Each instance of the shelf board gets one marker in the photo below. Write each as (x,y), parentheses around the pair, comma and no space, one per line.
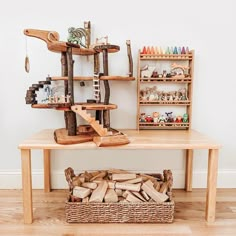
(90,78)
(168,125)
(166,80)
(59,46)
(164,103)
(66,106)
(166,56)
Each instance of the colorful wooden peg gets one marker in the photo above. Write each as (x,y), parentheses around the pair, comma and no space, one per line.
(179,50)
(144,50)
(167,50)
(183,50)
(152,50)
(175,50)
(187,50)
(156,50)
(148,50)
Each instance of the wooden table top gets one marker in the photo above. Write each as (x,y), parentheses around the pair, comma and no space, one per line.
(143,139)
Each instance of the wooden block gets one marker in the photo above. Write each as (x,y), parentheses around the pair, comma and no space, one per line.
(147,177)
(157,185)
(76,181)
(118,171)
(90,185)
(145,195)
(119,192)
(163,188)
(156,196)
(138,195)
(131,187)
(81,192)
(99,193)
(133,181)
(111,184)
(125,194)
(121,177)
(94,173)
(82,179)
(99,175)
(131,198)
(111,196)
(86,199)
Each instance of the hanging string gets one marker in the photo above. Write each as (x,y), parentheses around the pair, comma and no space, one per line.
(27,64)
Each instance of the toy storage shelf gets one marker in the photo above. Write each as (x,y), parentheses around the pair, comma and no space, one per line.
(147,106)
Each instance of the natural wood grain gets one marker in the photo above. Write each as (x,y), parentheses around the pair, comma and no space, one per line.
(50,217)
(47,171)
(189,170)
(90,78)
(144,139)
(211,182)
(27,185)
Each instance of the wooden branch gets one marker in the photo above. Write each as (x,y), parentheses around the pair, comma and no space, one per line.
(130,58)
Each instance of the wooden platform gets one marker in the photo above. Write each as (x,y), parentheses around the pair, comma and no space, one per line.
(66,106)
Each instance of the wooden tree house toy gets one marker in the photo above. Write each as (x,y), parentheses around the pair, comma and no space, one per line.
(98,128)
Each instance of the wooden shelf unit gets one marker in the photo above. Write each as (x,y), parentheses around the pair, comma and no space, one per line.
(187,82)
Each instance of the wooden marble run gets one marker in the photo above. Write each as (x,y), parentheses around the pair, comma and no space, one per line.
(98,128)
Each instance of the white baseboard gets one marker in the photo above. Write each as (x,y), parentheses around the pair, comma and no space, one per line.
(11,179)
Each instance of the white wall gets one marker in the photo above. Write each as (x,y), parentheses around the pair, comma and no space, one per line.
(206,26)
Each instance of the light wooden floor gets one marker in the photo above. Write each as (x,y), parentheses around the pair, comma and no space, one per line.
(49,216)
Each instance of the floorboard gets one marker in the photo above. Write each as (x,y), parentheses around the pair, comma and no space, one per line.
(49,217)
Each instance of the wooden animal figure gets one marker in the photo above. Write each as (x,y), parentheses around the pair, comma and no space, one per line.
(169,117)
(76,36)
(185,118)
(148,72)
(155,116)
(142,117)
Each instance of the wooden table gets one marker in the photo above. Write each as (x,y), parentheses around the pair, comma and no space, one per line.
(145,139)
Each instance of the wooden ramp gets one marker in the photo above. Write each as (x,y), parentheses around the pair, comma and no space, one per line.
(91,120)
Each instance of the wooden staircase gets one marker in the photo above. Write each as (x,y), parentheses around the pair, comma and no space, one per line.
(91,120)
(31,92)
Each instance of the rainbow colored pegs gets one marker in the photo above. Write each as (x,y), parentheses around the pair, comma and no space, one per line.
(152,50)
(167,50)
(179,50)
(187,50)
(144,50)
(148,50)
(156,50)
(175,51)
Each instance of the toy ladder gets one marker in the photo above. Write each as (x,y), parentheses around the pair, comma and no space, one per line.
(96,87)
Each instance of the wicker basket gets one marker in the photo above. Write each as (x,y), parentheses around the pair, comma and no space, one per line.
(146,212)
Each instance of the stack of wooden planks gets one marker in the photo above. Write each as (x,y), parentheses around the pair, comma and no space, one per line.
(115,185)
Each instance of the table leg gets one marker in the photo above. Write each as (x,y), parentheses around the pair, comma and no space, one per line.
(189,170)
(27,185)
(211,185)
(47,170)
